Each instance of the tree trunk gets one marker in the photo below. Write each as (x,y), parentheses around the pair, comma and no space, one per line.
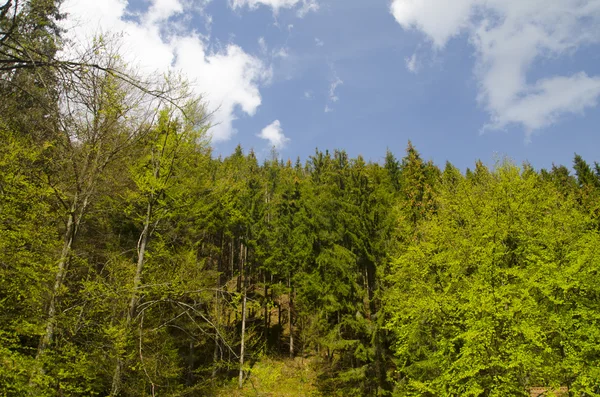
(215,359)
(244,289)
(142,242)
(290,318)
(266,313)
(76,212)
(58,282)
(217,310)
(217,322)
(231,273)
(240,280)
(190,366)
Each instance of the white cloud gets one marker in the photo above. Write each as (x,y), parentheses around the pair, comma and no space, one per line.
(550,98)
(411,63)
(263,45)
(509,36)
(334,85)
(229,78)
(308,6)
(319,42)
(161,10)
(281,53)
(439,19)
(304,6)
(308,94)
(333,97)
(274,134)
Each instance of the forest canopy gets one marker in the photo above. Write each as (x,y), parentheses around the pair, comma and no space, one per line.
(135,262)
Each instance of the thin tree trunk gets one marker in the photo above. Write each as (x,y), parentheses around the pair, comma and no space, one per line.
(217,321)
(217,310)
(190,369)
(58,282)
(215,359)
(143,241)
(231,258)
(244,288)
(240,269)
(76,212)
(266,313)
(279,311)
(73,221)
(241,375)
(290,318)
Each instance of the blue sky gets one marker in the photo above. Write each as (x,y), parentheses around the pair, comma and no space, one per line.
(463,80)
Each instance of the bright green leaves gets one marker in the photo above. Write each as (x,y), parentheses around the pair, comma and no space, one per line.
(479,301)
(175,149)
(395,275)
(28,243)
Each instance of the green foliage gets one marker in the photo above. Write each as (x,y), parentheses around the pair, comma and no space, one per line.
(277,378)
(27,247)
(127,252)
(482,297)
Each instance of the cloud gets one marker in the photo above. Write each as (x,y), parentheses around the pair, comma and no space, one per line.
(230,78)
(333,97)
(308,6)
(161,10)
(332,94)
(263,45)
(303,6)
(159,40)
(281,53)
(509,37)
(308,94)
(334,85)
(550,98)
(274,134)
(439,19)
(411,63)
(319,42)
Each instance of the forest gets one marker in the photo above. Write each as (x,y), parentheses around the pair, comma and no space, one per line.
(136,262)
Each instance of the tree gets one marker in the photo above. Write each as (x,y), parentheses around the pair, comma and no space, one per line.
(418,185)
(477,302)
(169,155)
(27,245)
(585,174)
(589,187)
(94,130)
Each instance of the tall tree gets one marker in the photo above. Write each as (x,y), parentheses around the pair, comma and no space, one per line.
(28,242)
(159,176)
(94,129)
(476,303)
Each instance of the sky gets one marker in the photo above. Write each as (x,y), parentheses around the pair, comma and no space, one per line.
(462,79)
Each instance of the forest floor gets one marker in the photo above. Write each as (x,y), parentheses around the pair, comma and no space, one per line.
(276,378)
